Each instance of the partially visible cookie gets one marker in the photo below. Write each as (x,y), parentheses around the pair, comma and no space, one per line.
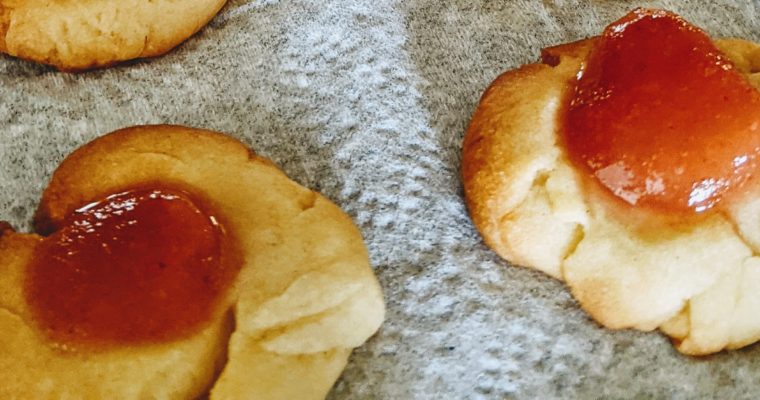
(697,282)
(300,297)
(77,35)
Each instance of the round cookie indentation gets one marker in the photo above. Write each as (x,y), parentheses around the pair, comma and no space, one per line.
(140,266)
(660,118)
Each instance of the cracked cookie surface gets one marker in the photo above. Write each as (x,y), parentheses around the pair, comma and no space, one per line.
(697,283)
(305,295)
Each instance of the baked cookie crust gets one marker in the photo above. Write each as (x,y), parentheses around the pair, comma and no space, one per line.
(304,297)
(74,35)
(697,283)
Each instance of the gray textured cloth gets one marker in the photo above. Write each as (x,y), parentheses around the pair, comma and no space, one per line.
(367,101)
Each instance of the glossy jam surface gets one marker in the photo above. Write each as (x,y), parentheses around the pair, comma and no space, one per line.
(138,267)
(660,118)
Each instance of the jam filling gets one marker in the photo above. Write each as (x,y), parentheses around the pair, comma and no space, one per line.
(137,267)
(660,118)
